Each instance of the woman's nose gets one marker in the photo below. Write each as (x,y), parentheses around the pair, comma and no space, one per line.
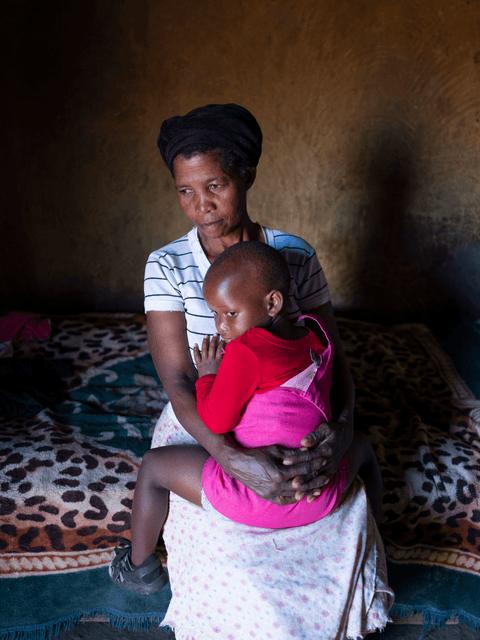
(204,203)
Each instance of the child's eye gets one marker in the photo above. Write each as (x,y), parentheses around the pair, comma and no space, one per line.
(231,313)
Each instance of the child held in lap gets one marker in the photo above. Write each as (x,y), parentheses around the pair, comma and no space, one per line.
(270,385)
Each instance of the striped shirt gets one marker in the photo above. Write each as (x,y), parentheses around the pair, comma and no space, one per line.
(174,278)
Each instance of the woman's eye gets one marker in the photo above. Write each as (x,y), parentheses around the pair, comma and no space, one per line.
(214,187)
(231,313)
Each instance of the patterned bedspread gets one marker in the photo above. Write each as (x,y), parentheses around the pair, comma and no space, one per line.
(67,474)
(425,427)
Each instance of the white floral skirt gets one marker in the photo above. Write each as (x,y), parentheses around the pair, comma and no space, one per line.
(235,582)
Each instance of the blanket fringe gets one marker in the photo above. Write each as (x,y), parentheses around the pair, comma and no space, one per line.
(434,618)
(48,630)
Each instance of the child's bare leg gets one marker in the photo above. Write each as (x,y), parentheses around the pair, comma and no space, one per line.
(176,468)
(363,461)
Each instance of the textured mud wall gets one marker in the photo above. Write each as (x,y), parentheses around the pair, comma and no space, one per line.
(371,116)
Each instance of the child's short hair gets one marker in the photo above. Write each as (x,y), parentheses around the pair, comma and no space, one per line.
(255,261)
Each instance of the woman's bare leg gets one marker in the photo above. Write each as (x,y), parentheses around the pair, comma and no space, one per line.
(177,468)
(363,461)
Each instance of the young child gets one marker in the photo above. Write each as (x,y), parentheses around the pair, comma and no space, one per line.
(272,387)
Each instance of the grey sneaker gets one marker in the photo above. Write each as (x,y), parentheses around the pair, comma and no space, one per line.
(148,577)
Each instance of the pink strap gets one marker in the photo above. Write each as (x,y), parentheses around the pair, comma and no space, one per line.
(318,320)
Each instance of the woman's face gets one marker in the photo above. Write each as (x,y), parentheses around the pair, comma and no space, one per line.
(212,199)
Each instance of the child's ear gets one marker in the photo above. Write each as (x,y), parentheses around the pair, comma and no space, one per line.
(275,303)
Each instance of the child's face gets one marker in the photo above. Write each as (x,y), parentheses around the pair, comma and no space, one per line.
(237,307)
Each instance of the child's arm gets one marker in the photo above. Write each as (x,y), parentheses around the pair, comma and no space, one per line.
(221,398)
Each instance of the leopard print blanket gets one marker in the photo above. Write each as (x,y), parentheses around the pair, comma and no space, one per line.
(67,475)
(425,427)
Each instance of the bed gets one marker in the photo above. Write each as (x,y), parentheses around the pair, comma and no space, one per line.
(88,397)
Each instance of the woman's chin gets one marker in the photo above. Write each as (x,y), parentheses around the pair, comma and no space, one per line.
(215,230)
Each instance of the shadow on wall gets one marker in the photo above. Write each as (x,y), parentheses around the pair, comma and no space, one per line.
(404,273)
(390,184)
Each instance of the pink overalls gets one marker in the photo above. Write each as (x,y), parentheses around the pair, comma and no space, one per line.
(281,416)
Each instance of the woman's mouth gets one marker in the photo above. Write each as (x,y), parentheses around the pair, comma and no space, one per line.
(210,224)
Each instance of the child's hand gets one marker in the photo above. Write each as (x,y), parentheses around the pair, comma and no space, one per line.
(208,361)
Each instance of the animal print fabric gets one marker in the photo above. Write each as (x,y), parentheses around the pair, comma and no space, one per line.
(67,475)
(424,425)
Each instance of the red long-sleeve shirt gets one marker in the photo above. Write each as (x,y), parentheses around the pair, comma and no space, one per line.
(255,362)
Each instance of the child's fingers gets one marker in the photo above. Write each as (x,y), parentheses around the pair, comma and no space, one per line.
(205,346)
(196,355)
(213,346)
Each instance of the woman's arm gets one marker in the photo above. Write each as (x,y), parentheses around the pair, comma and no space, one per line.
(328,443)
(258,469)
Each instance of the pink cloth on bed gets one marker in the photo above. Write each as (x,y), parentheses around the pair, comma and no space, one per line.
(24,326)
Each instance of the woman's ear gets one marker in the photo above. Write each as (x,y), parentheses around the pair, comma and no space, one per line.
(275,302)
(250,176)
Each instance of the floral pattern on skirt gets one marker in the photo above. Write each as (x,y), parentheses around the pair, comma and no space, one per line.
(235,582)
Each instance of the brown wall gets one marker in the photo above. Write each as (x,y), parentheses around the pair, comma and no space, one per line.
(371,117)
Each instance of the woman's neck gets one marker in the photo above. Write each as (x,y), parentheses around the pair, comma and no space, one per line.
(284,329)
(246,230)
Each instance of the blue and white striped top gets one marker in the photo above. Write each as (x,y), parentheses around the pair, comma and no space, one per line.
(174,278)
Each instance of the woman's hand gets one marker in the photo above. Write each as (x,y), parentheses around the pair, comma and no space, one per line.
(317,461)
(208,360)
(262,471)
(284,476)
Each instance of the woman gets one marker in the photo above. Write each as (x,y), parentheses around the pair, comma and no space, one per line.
(212,153)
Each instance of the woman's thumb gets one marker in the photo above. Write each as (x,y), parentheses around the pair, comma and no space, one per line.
(312,439)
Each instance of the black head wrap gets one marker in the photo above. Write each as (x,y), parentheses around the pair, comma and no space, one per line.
(226,126)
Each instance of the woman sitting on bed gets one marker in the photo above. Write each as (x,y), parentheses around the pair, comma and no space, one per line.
(212,153)
(273,387)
